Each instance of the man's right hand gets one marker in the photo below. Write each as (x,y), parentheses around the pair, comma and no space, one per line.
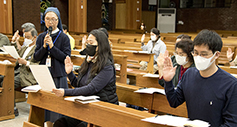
(16,36)
(229,54)
(168,69)
(143,38)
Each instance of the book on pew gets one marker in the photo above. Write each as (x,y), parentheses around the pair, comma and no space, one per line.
(233,67)
(176,121)
(151,75)
(33,88)
(83,99)
(150,91)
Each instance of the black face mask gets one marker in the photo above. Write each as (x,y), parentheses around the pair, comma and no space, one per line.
(90,50)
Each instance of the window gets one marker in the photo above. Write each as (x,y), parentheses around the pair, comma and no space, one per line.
(205,3)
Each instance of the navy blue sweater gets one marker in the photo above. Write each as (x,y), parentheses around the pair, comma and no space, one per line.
(104,77)
(212,99)
(58,53)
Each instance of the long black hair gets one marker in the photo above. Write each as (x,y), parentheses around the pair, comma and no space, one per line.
(103,54)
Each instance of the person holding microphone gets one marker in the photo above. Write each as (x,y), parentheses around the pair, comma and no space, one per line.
(51,50)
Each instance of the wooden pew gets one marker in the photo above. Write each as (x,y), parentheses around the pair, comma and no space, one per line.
(98,113)
(7,92)
(19,96)
(156,102)
(229,70)
(138,57)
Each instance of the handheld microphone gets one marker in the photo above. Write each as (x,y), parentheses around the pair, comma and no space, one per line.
(50,32)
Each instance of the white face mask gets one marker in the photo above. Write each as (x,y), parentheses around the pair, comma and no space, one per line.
(24,35)
(181,60)
(27,41)
(153,37)
(203,63)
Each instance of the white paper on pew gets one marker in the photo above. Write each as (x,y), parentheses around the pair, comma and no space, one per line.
(151,91)
(12,51)
(167,120)
(233,67)
(43,77)
(146,52)
(33,88)
(83,99)
(133,51)
(151,75)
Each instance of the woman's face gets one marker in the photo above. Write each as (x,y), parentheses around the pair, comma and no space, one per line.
(92,41)
(51,19)
(180,52)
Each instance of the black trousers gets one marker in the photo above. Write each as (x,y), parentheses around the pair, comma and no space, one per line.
(69,122)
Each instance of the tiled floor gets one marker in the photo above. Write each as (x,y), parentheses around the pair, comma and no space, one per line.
(23,109)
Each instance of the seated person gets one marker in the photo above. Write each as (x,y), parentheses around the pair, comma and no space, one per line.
(178,38)
(72,40)
(155,45)
(4,40)
(16,36)
(209,92)
(96,76)
(184,60)
(23,76)
(182,36)
(83,51)
(229,55)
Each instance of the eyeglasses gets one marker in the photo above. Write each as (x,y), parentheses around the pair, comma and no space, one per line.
(53,20)
(201,54)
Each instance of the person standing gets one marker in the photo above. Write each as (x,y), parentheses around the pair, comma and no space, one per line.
(51,50)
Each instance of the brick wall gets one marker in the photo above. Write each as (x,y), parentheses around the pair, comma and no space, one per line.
(207,18)
(26,11)
(62,6)
(93,14)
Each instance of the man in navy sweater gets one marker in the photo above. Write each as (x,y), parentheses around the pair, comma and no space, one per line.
(210,93)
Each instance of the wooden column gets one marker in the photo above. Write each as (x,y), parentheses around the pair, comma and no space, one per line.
(128,14)
(77,15)
(6,16)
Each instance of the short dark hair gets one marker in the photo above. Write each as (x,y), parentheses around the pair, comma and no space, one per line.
(26,25)
(64,27)
(32,30)
(183,36)
(155,31)
(104,30)
(209,38)
(187,46)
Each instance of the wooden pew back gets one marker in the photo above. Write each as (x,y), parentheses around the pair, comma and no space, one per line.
(7,92)
(99,113)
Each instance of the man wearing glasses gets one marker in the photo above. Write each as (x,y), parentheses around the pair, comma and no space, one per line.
(210,93)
